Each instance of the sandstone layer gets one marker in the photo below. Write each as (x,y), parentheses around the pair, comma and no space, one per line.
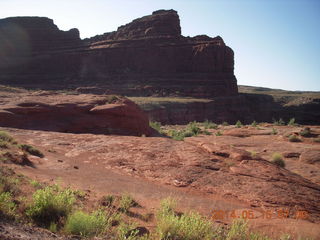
(148,54)
(73,113)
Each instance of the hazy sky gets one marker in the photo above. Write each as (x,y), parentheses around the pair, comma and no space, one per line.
(276,42)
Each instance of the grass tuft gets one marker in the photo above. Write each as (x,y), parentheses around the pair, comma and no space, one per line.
(254,124)
(126,202)
(7,205)
(294,138)
(306,132)
(6,137)
(190,226)
(209,125)
(50,204)
(292,122)
(238,124)
(31,150)
(277,159)
(155,125)
(88,225)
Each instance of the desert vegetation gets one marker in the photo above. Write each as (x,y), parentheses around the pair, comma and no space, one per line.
(277,159)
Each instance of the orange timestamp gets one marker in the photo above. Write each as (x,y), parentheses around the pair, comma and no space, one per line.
(250,214)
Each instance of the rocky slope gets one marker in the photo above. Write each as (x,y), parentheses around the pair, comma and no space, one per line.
(205,173)
(146,56)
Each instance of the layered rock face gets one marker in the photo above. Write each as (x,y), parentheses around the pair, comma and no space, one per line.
(73,113)
(145,57)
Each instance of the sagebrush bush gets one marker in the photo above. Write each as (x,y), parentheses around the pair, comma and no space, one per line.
(292,122)
(126,202)
(155,125)
(239,231)
(128,232)
(189,226)
(88,225)
(225,124)
(306,132)
(274,131)
(219,133)
(278,160)
(193,128)
(238,124)
(4,144)
(280,122)
(50,204)
(31,150)
(7,205)
(254,124)
(209,125)
(294,138)
(6,137)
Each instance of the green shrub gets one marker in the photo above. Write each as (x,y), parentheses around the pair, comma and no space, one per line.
(155,125)
(7,205)
(225,124)
(254,124)
(317,140)
(180,135)
(209,125)
(219,133)
(205,132)
(6,137)
(35,183)
(127,232)
(31,150)
(294,138)
(167,206)
(108,200)
(88,225)
(274,131)
(126,202)
(193,128)
(306,132)
(4,144)
(238,124)
(190,226)
(280,122)
(239,231)
(292,122)
(50,204)
(278,160)
(8,183)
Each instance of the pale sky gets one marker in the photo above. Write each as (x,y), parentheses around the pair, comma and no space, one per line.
(276,42)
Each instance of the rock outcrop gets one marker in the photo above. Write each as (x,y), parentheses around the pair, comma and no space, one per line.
(73,113)
(147,56)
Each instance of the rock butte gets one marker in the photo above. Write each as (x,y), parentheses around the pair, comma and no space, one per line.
(148,55)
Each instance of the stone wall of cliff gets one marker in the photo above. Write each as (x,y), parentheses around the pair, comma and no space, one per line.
(148,53)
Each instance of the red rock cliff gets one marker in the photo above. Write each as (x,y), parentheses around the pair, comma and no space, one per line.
(145,57)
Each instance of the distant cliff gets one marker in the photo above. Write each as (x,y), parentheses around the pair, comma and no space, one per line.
(148,56)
